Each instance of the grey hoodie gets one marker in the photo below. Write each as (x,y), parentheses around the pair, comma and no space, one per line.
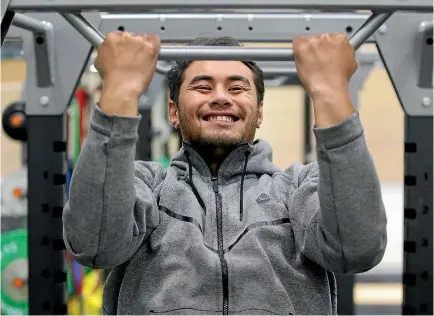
(251,239)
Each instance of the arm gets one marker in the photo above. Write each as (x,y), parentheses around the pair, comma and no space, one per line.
(343,220)
(339,201)
(111,208)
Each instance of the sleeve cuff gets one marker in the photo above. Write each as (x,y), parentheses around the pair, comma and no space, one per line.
(113,125)
(339,134)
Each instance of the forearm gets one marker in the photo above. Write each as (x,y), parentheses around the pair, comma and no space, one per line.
(99,218)
(351,223)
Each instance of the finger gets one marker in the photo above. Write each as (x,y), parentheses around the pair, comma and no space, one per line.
(143,36)
(155,38)
(299,39)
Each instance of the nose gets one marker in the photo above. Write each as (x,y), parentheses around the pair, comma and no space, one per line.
(221,97)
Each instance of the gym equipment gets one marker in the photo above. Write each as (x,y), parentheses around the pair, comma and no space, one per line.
(137,5)
(14,273)
(14,121)
(170,53)
(50,98)
(14,194)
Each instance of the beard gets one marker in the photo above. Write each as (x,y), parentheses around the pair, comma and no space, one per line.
(217,137)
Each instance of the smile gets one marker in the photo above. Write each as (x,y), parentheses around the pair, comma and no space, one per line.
(221,118)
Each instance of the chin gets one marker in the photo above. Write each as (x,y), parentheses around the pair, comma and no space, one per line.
(220,140)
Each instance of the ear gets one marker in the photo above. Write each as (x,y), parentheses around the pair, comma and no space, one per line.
(173,114)
(260,115)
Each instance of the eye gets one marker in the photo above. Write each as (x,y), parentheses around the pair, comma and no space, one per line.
(203,88)
(236,88)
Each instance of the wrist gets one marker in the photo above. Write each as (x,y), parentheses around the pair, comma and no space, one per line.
(121,100)
(332,107)
(328,90)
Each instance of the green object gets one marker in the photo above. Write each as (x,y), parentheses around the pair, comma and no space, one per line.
(75,130)
(165,161)
(69,280)
(15,272)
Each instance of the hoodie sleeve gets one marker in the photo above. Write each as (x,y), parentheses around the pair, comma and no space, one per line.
(343,219)
(111,208)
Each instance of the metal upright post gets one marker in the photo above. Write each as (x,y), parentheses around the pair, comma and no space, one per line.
(53,70)
(46,163)
(418,212)
(412,80)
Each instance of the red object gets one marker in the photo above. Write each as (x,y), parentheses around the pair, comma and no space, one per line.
(82,97)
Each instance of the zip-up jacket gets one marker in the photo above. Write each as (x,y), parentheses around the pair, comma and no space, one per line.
(249,239)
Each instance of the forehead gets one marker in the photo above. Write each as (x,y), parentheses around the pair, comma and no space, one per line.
(218,69)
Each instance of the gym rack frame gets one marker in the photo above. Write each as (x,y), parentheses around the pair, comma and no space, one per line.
(405,48)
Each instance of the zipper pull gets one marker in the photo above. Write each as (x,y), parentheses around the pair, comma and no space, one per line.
(215,184)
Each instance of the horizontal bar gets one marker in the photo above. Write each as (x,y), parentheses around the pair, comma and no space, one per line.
(257,27)
(268,72)
(27,23)
(141,5)
(171,53)
(180,53)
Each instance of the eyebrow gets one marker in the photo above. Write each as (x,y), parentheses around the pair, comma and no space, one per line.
(209,78)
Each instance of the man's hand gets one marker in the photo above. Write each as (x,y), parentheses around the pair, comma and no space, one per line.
(325,65)
(126,63)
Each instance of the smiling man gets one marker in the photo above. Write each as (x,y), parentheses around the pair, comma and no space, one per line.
(223,230)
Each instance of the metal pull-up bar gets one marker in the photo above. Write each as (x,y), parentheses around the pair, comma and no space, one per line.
(178,53)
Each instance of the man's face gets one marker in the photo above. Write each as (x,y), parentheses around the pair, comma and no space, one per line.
(218,104)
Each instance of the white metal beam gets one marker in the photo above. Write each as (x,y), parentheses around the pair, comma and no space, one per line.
(197,5)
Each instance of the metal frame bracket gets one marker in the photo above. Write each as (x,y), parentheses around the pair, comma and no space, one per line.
(68,52)
(396,46)
(4,6)
(426,55)
(43,41)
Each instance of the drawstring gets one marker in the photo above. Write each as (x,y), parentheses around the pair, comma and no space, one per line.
(247,153)
(202,204)
(190,178)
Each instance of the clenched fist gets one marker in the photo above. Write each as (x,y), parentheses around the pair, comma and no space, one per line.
(126,63)
(325,62)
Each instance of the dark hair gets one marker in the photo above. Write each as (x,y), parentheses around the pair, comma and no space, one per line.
(175,75)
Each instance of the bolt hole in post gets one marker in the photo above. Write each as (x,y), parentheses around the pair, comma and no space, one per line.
(219,28)
(162,29)
(250,28)
(39,40)
(349,29)
(307,28)
(121,28)
(429,41)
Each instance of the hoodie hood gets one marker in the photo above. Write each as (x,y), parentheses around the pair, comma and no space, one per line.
(244,160)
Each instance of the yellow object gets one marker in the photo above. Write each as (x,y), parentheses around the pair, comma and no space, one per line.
(91,298)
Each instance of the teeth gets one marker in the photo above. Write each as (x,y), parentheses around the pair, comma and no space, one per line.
(221,118)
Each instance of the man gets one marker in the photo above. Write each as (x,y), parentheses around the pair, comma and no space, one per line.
(223,230)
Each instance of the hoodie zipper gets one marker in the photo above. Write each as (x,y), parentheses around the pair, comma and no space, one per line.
(224,264)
